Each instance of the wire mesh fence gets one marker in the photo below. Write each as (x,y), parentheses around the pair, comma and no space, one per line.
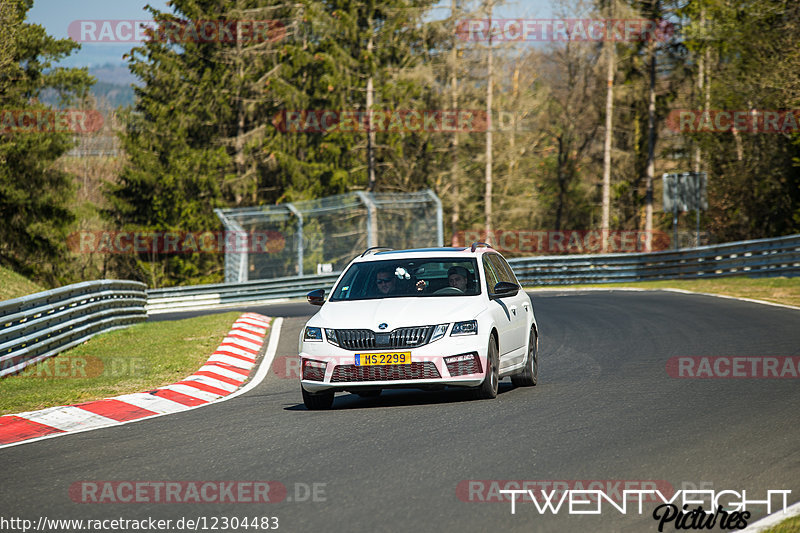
(321,236)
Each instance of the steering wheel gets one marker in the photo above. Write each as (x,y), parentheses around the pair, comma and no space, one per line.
(449,290)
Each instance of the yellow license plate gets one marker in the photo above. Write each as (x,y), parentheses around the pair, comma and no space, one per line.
(385,358)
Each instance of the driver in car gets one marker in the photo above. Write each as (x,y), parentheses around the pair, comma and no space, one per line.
(457,277)
(385,281)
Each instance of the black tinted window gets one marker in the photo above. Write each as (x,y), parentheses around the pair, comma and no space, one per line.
(411,277)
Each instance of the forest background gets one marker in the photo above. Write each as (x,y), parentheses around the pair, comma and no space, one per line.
(207,125)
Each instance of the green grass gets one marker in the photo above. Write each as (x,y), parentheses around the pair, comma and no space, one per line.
(790,525)
(13,285)
(777,290)
(139,358)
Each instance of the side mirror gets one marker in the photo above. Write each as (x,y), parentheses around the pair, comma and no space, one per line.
(316,297)
(505,288)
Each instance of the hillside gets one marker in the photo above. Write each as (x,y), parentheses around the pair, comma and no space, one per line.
(13,285)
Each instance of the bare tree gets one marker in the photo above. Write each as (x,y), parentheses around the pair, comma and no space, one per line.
(610,67)
(489,83)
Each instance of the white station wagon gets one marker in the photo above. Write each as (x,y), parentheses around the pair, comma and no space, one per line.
(425,318)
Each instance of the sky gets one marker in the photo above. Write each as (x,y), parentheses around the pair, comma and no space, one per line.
(56,16)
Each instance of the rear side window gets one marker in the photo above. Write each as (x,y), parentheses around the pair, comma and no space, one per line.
(503,269)
(492,277)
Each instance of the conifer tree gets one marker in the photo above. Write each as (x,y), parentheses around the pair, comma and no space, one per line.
(35,197)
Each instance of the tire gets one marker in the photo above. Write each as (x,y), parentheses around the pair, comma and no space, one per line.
(317,401)
(530,374)
(369,393)
(488,389)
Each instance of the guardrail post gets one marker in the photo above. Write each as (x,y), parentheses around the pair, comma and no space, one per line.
(299,216)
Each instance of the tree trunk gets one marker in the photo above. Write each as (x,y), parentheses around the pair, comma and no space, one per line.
(701,65)
(562,159)
(370,129)
(238,157)
(609,134)
(454,177)
(651,140)
(489,82)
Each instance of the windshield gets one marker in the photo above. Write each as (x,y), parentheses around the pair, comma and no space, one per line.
(449,277)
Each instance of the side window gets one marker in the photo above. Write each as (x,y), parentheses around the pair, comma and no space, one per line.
(502,273)
(491,275)
(504,269)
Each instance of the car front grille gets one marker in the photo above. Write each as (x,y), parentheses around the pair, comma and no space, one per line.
(365,339)
(353,373)
(461,368)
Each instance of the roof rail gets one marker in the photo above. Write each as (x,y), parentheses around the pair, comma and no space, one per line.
(373,249)
(476,244)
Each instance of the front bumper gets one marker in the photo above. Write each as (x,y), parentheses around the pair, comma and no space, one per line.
(427,369)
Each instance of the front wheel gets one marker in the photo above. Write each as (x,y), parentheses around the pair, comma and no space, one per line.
(530,374)
(316,401)
(488,389)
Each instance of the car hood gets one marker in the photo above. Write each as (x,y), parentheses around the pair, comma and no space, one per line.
(397,312)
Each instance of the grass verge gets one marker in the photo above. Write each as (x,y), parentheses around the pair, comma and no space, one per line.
(777,290)
(13,285)
(139,358)
(790,525)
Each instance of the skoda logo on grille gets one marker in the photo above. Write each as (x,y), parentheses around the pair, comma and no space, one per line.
(384,325)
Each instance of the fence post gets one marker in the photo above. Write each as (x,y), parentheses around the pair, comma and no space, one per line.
(439,218)
(299,216)
(372,219)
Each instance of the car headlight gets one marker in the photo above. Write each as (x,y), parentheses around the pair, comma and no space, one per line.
(468,327)
(331,335)
(438,332)
(312,334)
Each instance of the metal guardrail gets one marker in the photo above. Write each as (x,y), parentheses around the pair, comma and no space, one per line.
(35,327)
(763,257)
(230,294)
(41,325)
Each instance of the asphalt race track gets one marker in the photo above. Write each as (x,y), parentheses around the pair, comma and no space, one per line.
(605,409)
